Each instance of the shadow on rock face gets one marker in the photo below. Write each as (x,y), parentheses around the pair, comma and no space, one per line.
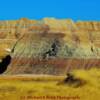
(4,64)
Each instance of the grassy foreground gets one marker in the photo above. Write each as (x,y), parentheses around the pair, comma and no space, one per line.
(31,87)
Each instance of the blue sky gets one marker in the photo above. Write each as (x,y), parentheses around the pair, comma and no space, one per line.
(37,9)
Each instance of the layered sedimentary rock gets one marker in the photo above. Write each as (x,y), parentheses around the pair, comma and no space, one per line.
(51,46)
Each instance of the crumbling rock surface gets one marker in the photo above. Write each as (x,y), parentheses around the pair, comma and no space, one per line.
(51,46)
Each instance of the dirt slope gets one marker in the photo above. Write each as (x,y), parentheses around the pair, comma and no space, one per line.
(49,45)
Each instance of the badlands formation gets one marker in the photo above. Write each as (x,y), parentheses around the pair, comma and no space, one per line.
(50,46)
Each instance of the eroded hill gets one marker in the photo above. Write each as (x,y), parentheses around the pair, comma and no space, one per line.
(50,46)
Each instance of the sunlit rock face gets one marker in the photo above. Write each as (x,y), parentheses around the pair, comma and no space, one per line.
(50,46)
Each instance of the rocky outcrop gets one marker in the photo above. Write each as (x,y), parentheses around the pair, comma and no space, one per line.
(51,39)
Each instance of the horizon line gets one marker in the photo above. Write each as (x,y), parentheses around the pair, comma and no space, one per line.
(85,20)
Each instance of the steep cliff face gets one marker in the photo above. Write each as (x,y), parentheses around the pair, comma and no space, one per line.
(49,40)
(82,36)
